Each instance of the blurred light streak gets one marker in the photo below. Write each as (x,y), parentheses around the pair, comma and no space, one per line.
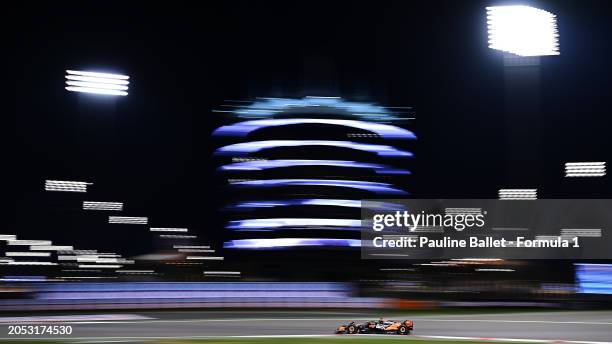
(99,83)
(159,256)
(30,263)
(518,194)
(100,266)
(102,260)
(383,130)
(50,248)
(382,188)
(96,91)
(93,79)
(221,272)
(266,107)
(28,242)
(438,264)
(167,229)
(293,222)
(191,246)
(318,202)
(494,270)
(256,146)
(28,254)
(187,250)
(242,159)
(361,135)
(594,278)
(585,169)
(103,86)
(66,186)
(89,295)
(8,237)
(98,75)
(259,165)
(137,272)
(24,279)
(132,220)
(91,205)
(522,30)
(203,258)
(474,211)
(177,236)
(79,252)
(581,232)
(87,277)
(289,242)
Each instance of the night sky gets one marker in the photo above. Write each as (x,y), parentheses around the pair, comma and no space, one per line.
(152,149)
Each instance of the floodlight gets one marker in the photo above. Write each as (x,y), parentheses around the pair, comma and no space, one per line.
(99,83)
(516,194)
(585,169)
(522,30)
(90,205)
(67,186)
(128,220)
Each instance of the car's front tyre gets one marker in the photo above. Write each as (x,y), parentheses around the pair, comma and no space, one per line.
(403,330)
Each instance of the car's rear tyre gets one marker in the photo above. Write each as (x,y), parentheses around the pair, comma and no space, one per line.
(403,330)
(351,329)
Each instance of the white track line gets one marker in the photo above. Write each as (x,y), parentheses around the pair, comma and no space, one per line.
(416,319)
(518,321)
(413,337)
(521,340)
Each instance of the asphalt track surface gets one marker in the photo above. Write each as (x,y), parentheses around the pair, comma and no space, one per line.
(580,326)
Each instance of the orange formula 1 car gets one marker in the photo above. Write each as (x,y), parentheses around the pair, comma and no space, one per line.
(379,327)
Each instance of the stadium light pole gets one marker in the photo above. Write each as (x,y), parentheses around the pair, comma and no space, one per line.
(523,34)
(96,94)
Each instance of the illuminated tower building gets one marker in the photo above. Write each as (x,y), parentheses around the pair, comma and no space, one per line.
(296,170)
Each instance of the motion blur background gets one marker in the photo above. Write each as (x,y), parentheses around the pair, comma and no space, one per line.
(193,68)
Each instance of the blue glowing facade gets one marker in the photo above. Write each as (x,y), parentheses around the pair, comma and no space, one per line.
(258,165)
(348,203)
(270,107)
(383,130)
(594,278)
(245,148)
(278,156)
